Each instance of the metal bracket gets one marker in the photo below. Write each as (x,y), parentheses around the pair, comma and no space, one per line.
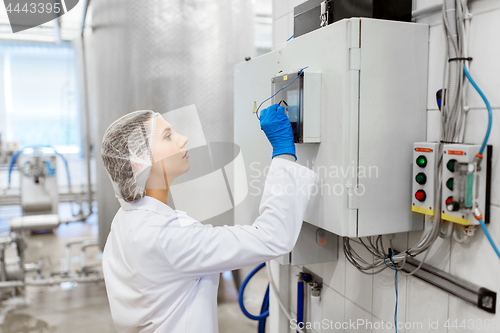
(483,298)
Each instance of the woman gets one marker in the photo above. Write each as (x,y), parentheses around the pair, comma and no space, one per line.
(161,267)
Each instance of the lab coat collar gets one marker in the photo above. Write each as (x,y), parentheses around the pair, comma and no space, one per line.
(151,204)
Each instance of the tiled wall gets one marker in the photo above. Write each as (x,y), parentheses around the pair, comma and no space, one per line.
(350,295)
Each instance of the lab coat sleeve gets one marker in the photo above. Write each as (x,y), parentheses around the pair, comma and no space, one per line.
(196,250)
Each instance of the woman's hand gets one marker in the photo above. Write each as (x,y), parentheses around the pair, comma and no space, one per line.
(276,125)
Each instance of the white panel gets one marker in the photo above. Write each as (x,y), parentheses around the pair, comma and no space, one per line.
(252,86)
(433,126)
(437,47)
(392,113)
(312,108)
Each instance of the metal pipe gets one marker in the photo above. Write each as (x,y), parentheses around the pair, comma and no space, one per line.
(11,284)
(58,280)
(77,218)
(83,253)
(86,111)
(57,28)
(67,252)
(3,268)
(84,16)
(50,281)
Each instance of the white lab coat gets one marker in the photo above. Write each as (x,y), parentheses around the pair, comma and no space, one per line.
(161,267)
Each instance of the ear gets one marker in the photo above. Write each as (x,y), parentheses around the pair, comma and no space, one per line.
(139,165)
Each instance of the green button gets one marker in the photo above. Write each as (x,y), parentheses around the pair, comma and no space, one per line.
(449,184)
(451,165)
(421,161)
(421,178)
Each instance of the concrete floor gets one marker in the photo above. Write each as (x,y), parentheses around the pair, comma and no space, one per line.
(84,307)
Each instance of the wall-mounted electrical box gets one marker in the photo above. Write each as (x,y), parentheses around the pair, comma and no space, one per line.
(424,180)
(302,97)
(372,97)
(464,185)
(314,245)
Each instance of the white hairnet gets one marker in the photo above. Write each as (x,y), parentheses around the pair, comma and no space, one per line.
(127,153)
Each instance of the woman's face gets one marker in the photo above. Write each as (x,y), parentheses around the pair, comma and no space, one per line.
(170,159)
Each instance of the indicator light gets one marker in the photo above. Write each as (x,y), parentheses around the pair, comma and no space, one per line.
(420,195)
(451,205)
(449,184)
(421,161)
(421,178)
(451,165)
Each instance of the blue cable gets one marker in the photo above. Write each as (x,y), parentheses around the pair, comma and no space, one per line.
(396,288)
(490,114)
(489,237)
(242,289)
(257,112)
(300,304)
(289,38)
(483,146)
(264,308)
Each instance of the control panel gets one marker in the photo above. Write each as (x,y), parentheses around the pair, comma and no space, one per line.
(465,186)
(300,93)
(425,159)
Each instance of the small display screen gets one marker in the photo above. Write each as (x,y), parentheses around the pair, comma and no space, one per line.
(293,97)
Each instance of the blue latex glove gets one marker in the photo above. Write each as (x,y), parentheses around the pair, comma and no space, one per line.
(276,125)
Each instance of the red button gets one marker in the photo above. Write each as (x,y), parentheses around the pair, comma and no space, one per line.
(420,195)
(449,200)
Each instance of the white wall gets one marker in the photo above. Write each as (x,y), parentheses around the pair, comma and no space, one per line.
(350,295)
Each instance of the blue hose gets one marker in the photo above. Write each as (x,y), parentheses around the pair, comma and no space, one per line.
(264,308)
(490,114)
(300,304)
(16,155)
(489,237)
(264,311)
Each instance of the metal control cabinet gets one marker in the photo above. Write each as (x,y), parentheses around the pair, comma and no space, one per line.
(373,108)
